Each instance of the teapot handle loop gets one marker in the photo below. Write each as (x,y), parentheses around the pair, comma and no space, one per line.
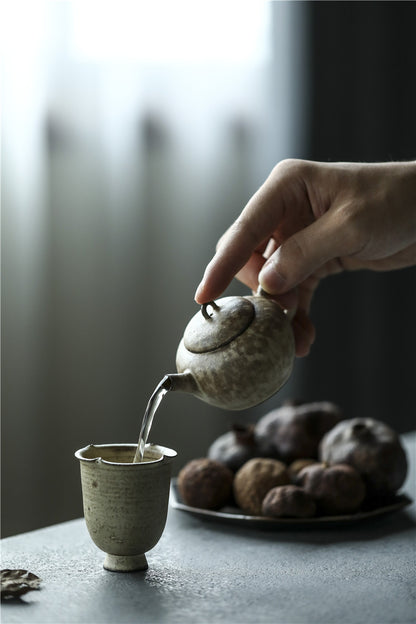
(205,312)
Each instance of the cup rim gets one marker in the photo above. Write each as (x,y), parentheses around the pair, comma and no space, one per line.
(165,453)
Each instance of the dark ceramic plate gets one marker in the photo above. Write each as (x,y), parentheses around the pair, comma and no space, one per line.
(234,515)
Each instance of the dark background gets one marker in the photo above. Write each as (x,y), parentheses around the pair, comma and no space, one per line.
(362,85)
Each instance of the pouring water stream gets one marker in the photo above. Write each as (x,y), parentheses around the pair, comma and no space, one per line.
(161,389)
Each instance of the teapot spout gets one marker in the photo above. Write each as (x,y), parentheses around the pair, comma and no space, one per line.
(180,382)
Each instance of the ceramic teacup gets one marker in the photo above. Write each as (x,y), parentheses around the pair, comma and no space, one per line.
(125,503)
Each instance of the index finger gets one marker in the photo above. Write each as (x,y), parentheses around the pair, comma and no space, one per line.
(248,234)
(232,254)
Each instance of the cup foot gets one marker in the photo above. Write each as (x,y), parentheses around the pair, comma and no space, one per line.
(125,563)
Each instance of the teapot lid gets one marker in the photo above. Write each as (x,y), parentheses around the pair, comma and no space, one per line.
(217,324)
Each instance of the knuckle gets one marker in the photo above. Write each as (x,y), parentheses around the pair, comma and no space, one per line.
(290,168)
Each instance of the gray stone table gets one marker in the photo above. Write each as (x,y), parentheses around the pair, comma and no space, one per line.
(210,572)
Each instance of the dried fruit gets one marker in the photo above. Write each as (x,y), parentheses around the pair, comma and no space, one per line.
(336,489)
(288,501)
(295,431)
(205,483)
(298,465)
(254,479)
(373,449)
(235,447)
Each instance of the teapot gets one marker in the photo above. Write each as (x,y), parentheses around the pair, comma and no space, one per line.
(235,353)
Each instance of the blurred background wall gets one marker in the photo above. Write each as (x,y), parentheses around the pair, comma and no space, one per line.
(132,135)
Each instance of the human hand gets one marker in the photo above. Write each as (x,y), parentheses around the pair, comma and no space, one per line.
(310,220)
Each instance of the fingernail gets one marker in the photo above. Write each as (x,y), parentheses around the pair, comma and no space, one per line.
(271,280)
(197,292)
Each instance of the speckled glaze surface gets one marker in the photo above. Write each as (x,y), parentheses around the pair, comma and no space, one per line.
(247,368)
(125,503)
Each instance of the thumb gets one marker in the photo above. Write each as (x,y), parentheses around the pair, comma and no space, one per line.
(302,254)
